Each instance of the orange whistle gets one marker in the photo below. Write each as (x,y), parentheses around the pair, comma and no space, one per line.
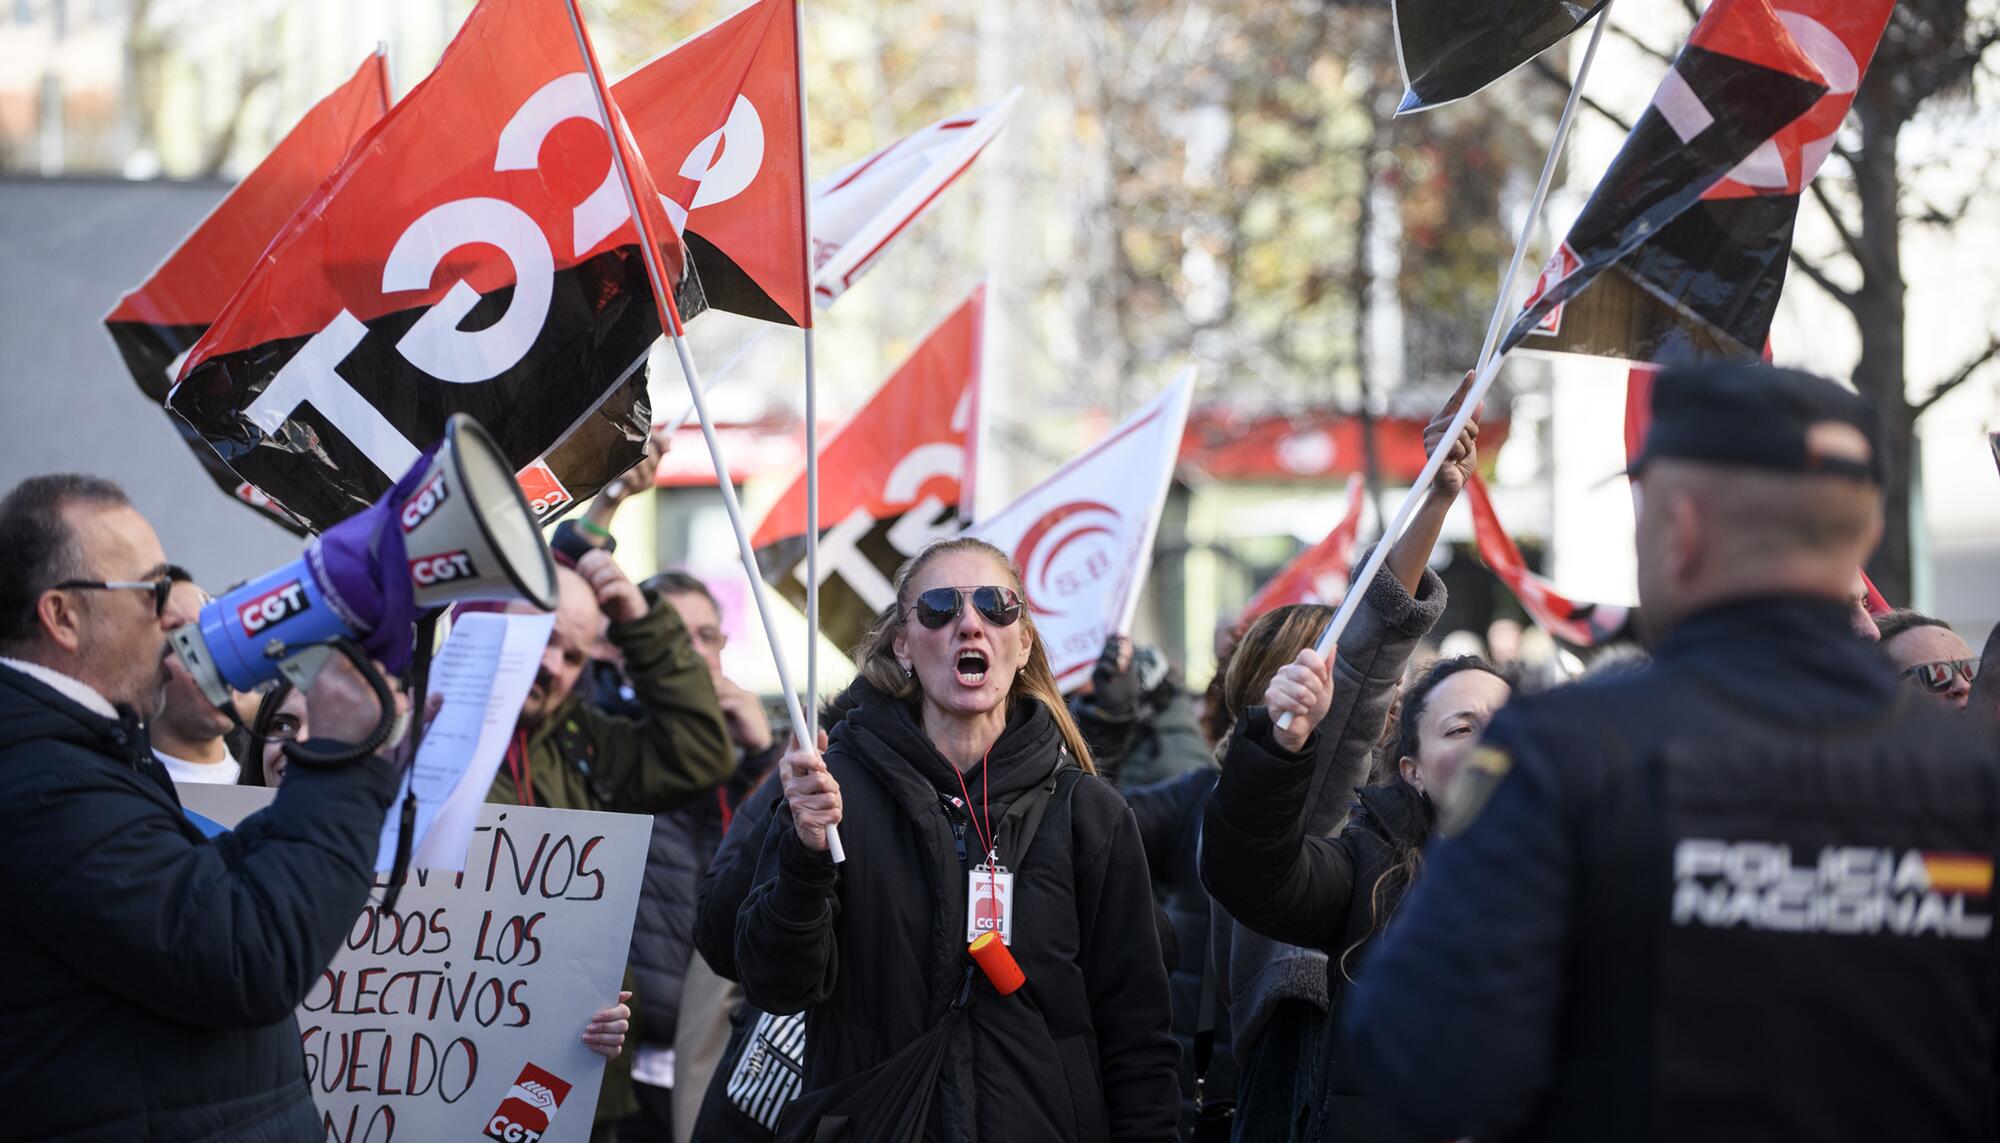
(990,953)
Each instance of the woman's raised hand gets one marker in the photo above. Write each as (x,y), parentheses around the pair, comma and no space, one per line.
(812,794)
(1302,688)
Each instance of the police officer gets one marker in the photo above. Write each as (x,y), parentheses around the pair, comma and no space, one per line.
(1743,893)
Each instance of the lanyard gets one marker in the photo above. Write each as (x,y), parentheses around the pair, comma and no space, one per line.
(517,765)
(988,842)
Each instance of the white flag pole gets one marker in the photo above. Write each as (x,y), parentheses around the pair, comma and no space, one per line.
(811,737)
(670,319)
(1489,363)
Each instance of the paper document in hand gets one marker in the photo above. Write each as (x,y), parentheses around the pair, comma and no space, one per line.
(483,673)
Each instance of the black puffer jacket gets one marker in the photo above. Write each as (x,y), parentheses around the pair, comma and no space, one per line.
(147,974)
(874,952)
(684,840)
(1317,892)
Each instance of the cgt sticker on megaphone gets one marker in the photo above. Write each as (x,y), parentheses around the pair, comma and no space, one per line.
(445,567)
(273,607)
(546,494)
(427,499)
(530,1104)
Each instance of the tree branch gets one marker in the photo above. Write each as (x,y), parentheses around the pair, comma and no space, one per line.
(1560,80)
(1841,294)
(1848,239)
(1964,374)
(1642,45)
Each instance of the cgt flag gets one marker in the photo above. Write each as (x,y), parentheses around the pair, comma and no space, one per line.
(1578,624)
(1689,280)
(1449,49)
(717,118)
(866,206)
(893,481)
(159,320)
(1318,574)
(476,254)
(1083,538)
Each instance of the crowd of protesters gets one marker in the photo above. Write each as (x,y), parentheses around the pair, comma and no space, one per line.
(1407,891)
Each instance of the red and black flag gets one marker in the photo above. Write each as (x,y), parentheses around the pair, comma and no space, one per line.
(1577,624)
(1449,49)
(1320,573)
(475,253)
(161,319)
(718,121)
(1692,278)
(893,479)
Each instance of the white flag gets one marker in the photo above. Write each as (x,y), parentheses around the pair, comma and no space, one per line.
(1083,538)
(858,212)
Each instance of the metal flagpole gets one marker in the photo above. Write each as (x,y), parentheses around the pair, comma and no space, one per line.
(1489,363)
(811,738)
(670,318)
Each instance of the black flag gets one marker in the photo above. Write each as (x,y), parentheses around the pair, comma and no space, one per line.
(1450,49)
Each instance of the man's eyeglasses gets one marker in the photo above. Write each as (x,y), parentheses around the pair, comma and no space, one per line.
(161,587)
(940,605)
(709,637)
(1938,677)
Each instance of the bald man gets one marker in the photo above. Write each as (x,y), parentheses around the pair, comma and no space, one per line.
(1743,893)
(570,755)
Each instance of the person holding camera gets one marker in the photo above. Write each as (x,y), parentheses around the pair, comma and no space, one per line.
(148,974)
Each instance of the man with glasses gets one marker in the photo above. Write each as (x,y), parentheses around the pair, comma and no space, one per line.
(148,974)
(1929,654)
(190,734)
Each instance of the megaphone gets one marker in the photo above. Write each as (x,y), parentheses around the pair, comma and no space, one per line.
(455,527)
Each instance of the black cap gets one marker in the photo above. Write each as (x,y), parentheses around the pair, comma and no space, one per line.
(1761,416)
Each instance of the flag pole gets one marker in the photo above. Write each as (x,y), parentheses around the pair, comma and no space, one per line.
(1489,362)
(811,737)
(670,321)
(382,74)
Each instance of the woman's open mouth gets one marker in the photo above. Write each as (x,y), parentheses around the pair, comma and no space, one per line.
(971,668)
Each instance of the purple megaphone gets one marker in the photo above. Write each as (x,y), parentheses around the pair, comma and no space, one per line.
(455,527)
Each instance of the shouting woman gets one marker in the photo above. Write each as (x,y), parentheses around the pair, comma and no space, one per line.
(976,816)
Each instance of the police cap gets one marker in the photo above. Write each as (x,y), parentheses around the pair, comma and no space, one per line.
(1761,416)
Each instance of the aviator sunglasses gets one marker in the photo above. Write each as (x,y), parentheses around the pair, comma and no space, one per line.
(1937,677)
(940,605)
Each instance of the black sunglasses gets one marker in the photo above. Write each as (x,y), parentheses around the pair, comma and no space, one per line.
(940,605)
(1937,677)
(161,587)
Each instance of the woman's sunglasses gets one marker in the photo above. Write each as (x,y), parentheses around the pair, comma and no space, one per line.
(1938,677)
(940,605)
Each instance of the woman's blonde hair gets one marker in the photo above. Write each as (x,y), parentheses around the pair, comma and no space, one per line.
(876,653)
(1273,641)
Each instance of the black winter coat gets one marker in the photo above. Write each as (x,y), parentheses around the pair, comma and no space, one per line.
(147,974)
(683,842)
(874,951)
(1316,892)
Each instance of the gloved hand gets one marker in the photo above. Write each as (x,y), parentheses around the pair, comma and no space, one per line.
(1114,685)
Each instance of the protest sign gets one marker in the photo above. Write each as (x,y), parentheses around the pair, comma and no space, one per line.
(460,1015)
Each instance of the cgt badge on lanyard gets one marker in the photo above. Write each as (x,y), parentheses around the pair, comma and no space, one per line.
(989,902)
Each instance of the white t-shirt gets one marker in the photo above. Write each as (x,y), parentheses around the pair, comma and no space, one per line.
(184,773)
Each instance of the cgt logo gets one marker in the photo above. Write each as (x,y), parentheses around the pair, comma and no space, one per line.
(524,1114)
(425,501)
(445,567)
(546,495)
(272,607)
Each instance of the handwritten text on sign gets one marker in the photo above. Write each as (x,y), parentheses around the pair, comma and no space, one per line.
(460,1014)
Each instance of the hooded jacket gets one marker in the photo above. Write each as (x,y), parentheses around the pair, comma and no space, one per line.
(148,975)
(874,951)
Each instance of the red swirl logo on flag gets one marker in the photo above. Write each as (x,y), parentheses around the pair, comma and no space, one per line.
(530,1104)
(1058,558)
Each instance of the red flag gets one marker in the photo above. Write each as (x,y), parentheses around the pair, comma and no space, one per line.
(1578,624)
(1689,280)
(717,118)
(161,318)
(476,254)
(1318,574)
(891,481)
